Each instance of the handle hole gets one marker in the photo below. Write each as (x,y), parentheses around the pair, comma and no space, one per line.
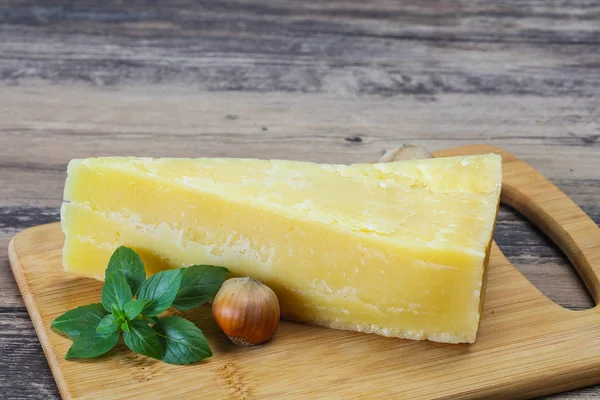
(541,261)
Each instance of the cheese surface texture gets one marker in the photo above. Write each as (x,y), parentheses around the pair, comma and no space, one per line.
(398,249)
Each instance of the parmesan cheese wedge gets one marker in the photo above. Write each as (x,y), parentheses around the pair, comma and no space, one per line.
(399,249)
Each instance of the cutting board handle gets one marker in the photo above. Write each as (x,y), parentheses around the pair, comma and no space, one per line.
(548,208)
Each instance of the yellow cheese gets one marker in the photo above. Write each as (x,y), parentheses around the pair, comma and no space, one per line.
(398,249)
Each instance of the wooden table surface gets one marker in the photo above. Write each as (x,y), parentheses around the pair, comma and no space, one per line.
(307,80)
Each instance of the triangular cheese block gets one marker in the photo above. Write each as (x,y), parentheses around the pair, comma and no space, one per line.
(397,249)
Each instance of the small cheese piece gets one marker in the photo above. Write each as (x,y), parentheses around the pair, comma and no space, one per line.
(398,249)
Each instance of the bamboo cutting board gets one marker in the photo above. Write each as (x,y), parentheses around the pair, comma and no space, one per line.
(527,345)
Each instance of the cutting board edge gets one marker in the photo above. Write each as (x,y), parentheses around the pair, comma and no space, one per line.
(34,313)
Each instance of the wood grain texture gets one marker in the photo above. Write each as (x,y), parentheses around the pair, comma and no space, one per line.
(383,47)
(527,345)
(303,80)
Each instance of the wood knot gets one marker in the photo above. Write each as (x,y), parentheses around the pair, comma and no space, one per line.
(233,381)
(589,139)
(141,367)
(353,139)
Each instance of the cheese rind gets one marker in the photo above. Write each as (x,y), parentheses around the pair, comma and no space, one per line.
(397,249)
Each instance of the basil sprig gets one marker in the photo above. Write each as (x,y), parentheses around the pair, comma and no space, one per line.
(132,303)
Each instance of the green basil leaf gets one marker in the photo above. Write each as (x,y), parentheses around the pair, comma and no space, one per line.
(115,292)
(125,326)
(118,313)
(143,340)
(126,262)
(73,322)
(199,283)
(134,308)
(160,289)
(182,341)
(108,324)
(91,344)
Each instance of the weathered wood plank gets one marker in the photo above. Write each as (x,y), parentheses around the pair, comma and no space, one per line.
(543,48)
(12,220)
(56,124)
(25,372)
(9,292)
